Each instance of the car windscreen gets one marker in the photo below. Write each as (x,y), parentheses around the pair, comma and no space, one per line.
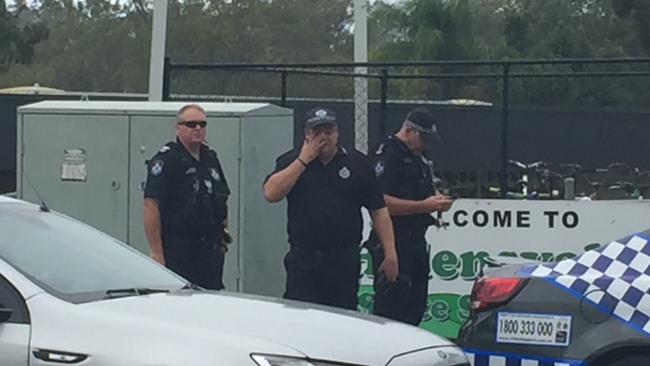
(68,258)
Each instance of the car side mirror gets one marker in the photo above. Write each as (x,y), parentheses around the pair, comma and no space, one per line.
(5,313)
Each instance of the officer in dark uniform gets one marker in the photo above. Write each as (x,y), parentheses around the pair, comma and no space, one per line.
(185,208)
(326,186)
(406,177)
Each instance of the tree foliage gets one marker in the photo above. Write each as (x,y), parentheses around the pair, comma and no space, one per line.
(104,45)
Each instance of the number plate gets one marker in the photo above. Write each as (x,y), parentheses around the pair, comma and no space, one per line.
(540,329)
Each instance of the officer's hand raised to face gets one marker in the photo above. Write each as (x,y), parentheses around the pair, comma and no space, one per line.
(312,147)
(438,202)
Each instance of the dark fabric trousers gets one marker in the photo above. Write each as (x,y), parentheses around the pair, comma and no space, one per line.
(323,277)
(200,261)
(408,303)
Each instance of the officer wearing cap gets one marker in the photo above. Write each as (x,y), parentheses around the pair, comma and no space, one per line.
(185,207)
(406,178)
(326,186)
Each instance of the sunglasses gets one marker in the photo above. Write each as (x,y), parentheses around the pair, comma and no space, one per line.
(193,124)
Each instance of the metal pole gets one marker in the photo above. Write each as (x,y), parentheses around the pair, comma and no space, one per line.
(166,79)
(382,105)
(283,96)
(361,83)
(158,32)
(504,129)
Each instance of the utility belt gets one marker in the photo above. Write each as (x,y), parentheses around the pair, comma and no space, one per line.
(190,241)
(192,219)
(406,236)
(306,250)
(176,229)
(409,233)
(412,227)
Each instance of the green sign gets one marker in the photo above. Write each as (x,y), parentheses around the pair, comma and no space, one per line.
(444,314)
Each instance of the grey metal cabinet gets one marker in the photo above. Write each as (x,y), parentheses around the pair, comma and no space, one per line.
(77,164)
(87,159)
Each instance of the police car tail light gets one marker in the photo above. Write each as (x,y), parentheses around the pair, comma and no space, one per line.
(491,292)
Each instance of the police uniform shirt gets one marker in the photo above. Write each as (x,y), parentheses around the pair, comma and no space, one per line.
(403,174)
(191,193)
(324,206)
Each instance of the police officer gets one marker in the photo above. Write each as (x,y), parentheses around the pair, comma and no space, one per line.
(326,186)
(185,207)
(406,177)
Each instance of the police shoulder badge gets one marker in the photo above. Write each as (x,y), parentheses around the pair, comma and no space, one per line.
(157,167)
(344,173)
(164,149)
(215,174)
(379,168)
(208,185)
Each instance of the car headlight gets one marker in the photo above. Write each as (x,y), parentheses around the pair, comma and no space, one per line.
(274,360)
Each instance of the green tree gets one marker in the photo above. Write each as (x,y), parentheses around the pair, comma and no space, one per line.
(18,35)
(570,29)
(418,30)
(513,29)
(639,12)
(99,46)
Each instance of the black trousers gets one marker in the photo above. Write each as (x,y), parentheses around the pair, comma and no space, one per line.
(200,261)
(323,277)
(408,302)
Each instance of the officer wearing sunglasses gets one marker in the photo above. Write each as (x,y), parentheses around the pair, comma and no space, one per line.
(185,205)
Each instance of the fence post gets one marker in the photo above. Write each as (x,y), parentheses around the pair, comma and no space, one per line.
(504,129)
(283,90)
(166,79)
(382,105)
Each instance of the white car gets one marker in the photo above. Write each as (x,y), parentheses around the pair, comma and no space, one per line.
(72,295)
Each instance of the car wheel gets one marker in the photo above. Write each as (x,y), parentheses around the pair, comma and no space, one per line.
(622,359)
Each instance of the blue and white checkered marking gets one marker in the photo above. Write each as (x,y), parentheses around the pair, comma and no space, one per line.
(615,278)
(483,358)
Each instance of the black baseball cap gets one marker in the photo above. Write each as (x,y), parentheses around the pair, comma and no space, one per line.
(319,116)
(423,120)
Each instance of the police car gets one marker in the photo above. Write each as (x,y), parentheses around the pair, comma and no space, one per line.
(72,295)
(592,310)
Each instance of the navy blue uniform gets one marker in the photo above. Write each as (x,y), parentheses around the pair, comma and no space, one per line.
(192,197)
(404,175)
(325,227)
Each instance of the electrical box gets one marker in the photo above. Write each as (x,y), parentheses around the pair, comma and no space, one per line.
(88,160)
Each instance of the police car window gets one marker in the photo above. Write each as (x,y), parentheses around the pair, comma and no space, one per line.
(10,298)
(70,258)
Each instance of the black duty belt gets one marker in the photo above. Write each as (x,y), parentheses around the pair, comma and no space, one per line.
(324,251)
(410,232)
(190,241)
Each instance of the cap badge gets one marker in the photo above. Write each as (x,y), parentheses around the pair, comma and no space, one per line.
(344,173)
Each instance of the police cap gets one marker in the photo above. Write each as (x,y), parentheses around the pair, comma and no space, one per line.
(319,116)
(422,120)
